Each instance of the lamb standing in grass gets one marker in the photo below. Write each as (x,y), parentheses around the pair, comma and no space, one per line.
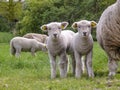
(59,44)
(18,44)
(83,44)
(40,37)
(108,35)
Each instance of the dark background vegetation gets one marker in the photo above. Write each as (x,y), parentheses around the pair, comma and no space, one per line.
(20,17)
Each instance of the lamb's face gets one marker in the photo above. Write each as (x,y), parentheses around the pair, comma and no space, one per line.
(84,27)
(41,46)
(54,29)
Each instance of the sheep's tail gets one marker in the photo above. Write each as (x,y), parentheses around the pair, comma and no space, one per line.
(12,49)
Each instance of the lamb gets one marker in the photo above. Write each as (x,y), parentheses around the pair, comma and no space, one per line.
(18,44)
(108,35)
(39,37)
(82,45)
(59,44)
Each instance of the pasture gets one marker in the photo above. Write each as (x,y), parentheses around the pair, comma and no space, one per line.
(33,73)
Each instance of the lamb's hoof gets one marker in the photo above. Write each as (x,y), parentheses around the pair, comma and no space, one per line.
(91,75)
(53,77)
(111,75)
(77,76)
(64,76)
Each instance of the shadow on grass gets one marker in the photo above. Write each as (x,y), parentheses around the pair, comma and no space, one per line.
(101,73)
(96,73)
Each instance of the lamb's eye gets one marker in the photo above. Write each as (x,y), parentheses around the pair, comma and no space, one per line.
(59,28)
(79,26)
(89,26)
(49,28)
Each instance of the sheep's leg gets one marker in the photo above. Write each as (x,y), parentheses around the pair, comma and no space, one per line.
(33,51)
(73,64)
(78,71)
(53,66)
(89,64)
(68,63)
(112,64)
(18,51)
(12,50)
(63,65)
(83,59)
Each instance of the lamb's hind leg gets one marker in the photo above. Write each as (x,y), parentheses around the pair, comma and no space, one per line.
(63,65)
(73,64)
(33,51)
(18,51)
(89,64)
(112,64)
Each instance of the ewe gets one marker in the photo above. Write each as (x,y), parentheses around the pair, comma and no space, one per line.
(18,44)
(108,35)
(83,44)
(58,44)
(40,37)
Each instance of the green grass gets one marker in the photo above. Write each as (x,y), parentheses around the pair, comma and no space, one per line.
(33,73)
(5,37)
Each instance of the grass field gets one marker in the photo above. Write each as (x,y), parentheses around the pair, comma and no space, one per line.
(33,73)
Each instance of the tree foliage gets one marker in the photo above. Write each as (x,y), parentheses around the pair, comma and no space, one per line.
(38,12)
(11,11)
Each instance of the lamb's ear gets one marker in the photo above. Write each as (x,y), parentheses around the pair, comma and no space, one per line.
(64,25)
(118,1)
(93,24)
(74,25)
(44,27)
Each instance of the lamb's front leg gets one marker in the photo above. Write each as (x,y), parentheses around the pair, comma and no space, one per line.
(53,65)
(78,71)
(88,63)
(63,65)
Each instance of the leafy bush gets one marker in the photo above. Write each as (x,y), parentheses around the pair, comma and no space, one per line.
(4,26)
(31,14)
(37,12)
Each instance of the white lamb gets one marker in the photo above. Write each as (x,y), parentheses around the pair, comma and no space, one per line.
(83,44)
(18,44)
(59,44)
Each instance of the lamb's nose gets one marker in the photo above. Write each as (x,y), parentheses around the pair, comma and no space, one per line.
(84,33)
(55,34)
